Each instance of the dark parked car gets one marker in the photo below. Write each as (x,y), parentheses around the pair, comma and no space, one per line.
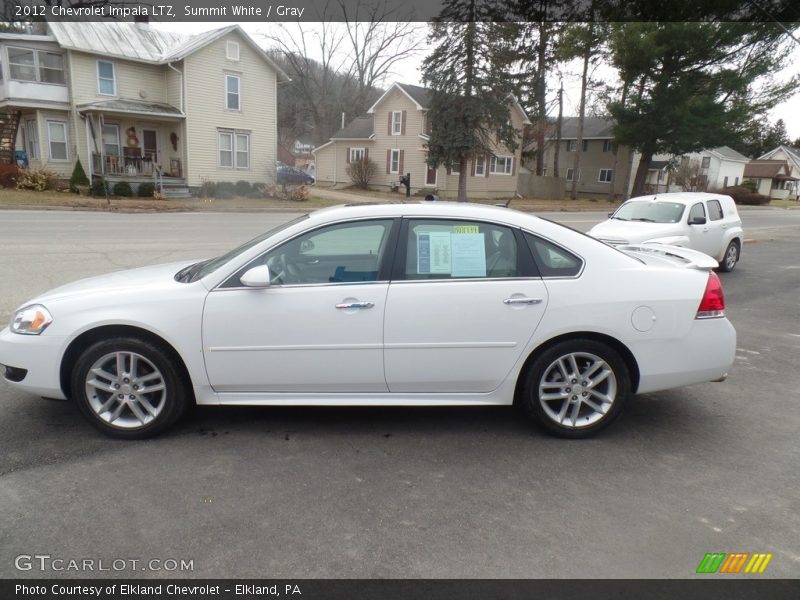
(293,176)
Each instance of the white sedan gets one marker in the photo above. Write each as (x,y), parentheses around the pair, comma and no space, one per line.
(386,305)
(705,222)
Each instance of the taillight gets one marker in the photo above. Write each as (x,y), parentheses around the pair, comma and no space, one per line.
(712,305)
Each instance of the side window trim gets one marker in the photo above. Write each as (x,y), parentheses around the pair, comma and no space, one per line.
(383,268)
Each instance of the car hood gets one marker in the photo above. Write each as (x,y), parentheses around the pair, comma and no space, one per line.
(633,231)
(149,278)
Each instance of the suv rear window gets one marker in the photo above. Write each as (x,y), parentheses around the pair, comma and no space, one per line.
(714,210)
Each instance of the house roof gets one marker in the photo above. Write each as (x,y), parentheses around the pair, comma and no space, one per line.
(420,95)
(141,43)
(593,128)
(133,41)
(357,129)
(728,152)
(790,151)
(766,169)
(124,105)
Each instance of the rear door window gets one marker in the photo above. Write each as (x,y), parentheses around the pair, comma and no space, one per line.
(714,210)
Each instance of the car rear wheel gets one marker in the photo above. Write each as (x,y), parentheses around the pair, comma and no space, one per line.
(731,257)
(576,388)
(128,388)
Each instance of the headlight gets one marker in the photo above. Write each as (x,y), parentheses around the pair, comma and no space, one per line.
(31,320)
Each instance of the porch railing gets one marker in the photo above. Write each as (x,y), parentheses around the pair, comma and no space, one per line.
(123,166)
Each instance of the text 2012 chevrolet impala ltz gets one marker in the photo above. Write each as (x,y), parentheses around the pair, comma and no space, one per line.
(432,304)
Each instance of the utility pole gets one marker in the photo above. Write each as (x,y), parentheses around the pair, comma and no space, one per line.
(558,128)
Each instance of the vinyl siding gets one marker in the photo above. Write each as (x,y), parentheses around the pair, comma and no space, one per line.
(592,161)
(206,112)
(134,80)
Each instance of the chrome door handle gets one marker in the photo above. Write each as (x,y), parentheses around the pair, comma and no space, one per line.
(522,301)
(346,305)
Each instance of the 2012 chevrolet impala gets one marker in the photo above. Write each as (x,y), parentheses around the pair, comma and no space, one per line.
(433,304)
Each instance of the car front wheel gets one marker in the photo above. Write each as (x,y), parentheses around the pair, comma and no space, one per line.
(128,388)
(731,257)
(576,388)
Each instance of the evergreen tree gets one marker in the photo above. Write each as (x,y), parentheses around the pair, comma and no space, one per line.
(467,72)
(693,85)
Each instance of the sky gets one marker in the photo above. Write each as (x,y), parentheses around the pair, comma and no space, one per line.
(408,71)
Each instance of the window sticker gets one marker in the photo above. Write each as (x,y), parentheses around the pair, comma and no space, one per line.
(433,253)
(468,255)
(465,229)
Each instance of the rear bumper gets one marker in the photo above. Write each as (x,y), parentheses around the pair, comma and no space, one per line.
(31,363)
(706,353)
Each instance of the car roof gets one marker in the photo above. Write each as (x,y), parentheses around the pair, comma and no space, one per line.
(680,197)
(456,210)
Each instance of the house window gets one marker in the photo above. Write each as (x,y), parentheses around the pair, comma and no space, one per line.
(51,68)
(232,50)
(232,92)
(234,149)
(706,162)
(585,145)
(605,175)
(736,181)
(394,161)
(501,165)
(397,122)
(22,64)
(57,137)
(356,154)
(480,165)
(111,140)
(572,145)
(455,169)
(32,139)
(106,80)
(607,146)
(571,172)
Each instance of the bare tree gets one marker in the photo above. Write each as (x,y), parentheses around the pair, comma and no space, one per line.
(337,67)
(687,175)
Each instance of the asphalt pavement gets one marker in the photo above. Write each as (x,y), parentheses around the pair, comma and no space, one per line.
(339,492)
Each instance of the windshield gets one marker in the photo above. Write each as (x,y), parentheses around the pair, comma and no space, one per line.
(201,269)
(650,212)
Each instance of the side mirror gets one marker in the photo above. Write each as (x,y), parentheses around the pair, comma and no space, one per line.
(306,246)
(697,221)
(611,214)
(257,277)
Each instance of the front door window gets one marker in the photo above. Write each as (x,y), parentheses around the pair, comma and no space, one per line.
(150,144)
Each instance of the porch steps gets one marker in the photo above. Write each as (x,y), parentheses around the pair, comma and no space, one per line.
(9,122)
(176,191)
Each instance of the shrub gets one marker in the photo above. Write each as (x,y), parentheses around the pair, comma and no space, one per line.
(225,190)
(243,188)
(750,184)
(100,187)
(295,193)
(361,172)
(37,180)
(743,195)
(8,175)
(78,178)
(123,188)
(146,190)
(208,189)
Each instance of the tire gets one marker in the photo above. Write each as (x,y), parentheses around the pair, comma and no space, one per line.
(730,258)
(552,391)
(145,398)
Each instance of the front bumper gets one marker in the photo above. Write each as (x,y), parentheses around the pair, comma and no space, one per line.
(39,356)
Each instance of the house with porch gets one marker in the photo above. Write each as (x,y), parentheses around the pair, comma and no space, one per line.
(138,104)
(773,178)
(394,134)
(788,187)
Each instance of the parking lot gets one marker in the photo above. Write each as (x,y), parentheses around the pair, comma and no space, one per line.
(407,493)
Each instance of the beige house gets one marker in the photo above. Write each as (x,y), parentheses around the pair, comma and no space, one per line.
(788,185)
(394,135)
(773,178)
(138,104)
(600,167)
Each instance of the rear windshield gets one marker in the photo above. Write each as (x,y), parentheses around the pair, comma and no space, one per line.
(650,212)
